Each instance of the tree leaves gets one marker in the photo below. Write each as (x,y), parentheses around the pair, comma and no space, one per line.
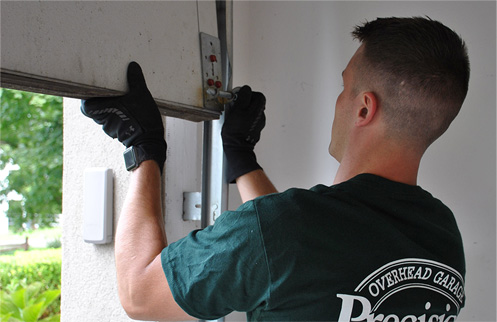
(31,137)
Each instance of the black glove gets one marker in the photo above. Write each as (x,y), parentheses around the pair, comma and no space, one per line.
(243,123)
(134,118)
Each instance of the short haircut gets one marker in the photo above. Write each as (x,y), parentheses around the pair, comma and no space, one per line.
(419,69)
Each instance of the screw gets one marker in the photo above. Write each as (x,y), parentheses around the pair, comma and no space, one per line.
(229,96)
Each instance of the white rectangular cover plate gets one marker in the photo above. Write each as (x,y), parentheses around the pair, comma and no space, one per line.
(98,206)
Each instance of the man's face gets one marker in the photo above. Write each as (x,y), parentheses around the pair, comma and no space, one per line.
(344,112)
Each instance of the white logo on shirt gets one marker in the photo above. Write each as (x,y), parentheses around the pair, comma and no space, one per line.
(396,279)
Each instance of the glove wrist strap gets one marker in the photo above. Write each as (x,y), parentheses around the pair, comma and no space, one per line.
(240,162)
(135,155)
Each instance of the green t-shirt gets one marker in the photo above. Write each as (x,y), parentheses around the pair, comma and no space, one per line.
(365,249)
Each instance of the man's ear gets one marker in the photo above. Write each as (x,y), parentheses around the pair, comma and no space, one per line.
(367,109)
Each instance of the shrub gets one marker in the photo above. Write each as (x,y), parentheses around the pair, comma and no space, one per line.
(31,266)
(54,243)
(28,267)
(28,304)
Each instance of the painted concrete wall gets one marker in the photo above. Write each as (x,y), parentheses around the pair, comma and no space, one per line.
(88,271)
(88,275)
(295,52)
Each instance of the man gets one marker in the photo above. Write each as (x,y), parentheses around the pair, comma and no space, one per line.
(372,247)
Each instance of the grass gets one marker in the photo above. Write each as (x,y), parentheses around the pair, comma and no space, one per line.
(38,233)
(21,257)
(40,238)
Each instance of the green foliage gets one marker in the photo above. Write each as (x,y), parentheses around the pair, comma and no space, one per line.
(54,243)
(31,137)
(31,266)
(28,267)
(27,303)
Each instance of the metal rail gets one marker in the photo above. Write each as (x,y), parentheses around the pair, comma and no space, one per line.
(214,184)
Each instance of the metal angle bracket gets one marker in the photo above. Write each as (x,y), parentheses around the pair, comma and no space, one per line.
(192,206)
(212,70)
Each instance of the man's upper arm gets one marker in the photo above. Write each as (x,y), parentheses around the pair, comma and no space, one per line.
(254,184)
(220,269)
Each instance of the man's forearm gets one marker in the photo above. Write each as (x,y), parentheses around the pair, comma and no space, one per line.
(135,121)
(254,184)
(143,288)
(140,233)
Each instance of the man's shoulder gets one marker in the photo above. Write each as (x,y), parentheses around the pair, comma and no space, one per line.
(290,193)
(290,196)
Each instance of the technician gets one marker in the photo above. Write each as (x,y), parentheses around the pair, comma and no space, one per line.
(374,246)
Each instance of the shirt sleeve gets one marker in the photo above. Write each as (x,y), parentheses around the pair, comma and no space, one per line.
(219,269)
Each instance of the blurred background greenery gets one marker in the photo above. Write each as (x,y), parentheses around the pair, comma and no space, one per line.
(30,206)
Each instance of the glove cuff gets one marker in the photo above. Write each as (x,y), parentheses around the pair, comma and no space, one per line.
(239,162)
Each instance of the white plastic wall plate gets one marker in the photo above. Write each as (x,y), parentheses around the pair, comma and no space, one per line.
(98,206)
(192,206)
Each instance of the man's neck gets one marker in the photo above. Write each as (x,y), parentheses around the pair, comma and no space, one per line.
(399,166)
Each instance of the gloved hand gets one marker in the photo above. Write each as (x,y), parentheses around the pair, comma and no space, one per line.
(134,118)
(243,123)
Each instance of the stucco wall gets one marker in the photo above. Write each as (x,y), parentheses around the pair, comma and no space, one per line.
(89,290)
(88,273)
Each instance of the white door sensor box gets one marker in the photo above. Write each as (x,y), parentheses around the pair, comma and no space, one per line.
(98,206)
